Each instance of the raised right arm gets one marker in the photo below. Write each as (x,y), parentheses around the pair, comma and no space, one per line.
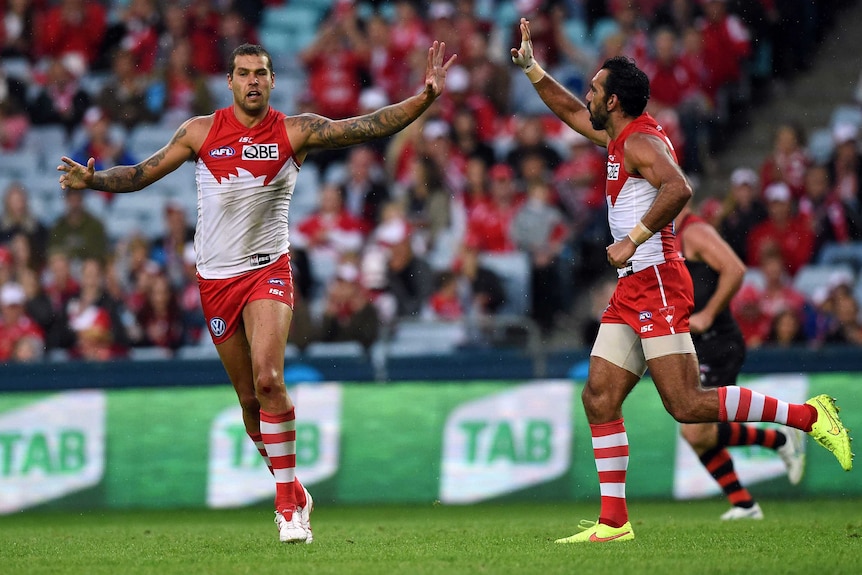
(568,107)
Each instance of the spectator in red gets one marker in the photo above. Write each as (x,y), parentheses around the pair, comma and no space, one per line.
(445,302)
(489,77)
(16,35)
(787,160)
(335,62)
(386,70)
(365,189)
(349,314)
(61,99)
(831,220)
(178,90)
(15,326)
(460,96)
(675,88)
(580,178)
(203,22)
(632,26)
(94,295)
(60,287)
(327,234)
(409,37)
(489,223)
(440,19)
(783,230)
(778,293)
(137,30)
(726,46)
(475,183)
(92,329)
(71,26)
(161,318)
(546,31)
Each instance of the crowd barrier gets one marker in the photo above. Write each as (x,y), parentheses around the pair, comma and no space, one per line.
(453,441)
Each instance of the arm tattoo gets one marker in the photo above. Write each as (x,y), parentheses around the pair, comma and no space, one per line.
(123,179)
(341,133)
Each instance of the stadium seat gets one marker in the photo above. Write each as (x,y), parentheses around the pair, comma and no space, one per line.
(577,33)
(813,276)
(333,349)
(514,271)
(20,164)
(847,253)
(820,145)
(426,337)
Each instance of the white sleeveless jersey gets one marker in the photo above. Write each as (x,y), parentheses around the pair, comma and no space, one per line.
(629,197)
(245,178)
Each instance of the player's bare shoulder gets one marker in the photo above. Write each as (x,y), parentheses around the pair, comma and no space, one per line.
(193,132)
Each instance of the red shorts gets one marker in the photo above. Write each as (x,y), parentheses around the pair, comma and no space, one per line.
(224,299)
(653,302)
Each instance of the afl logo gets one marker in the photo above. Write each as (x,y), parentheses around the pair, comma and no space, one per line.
(217,326)
(223,152)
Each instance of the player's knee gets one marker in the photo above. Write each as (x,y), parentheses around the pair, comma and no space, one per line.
(598,405)
(269,382)
(249,403)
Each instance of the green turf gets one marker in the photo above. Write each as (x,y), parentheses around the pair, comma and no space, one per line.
(805,537)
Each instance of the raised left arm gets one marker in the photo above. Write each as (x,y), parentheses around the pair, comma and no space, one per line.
(310,131)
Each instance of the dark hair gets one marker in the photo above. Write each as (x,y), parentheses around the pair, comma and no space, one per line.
(628,82)
(248,50)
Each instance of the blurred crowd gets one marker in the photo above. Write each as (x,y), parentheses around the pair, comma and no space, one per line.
(486,206)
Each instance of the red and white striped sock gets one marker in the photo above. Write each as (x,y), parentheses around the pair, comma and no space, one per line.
(611,450)
(279,437)
(261,448)
(742,404)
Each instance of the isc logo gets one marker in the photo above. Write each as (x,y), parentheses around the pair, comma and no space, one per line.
(646,328)
(260,152)
(613,171)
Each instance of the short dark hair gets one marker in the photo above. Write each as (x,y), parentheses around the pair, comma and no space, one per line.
(248,50)
(628,82)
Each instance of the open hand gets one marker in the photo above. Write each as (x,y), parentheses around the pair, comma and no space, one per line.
(435,73)
(523,56)
(77,176)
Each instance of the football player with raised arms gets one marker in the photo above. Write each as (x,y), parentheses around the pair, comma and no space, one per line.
(247,158)
(646,324)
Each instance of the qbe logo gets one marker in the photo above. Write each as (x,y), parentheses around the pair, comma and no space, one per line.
(218,326)
(613,171)
(260,152)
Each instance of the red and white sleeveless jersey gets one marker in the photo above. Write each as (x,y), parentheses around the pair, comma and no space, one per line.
(630,196)
(245,178)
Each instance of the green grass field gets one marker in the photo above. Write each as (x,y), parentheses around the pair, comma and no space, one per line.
(805,537)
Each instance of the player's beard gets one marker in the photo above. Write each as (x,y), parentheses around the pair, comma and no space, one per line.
(597,122)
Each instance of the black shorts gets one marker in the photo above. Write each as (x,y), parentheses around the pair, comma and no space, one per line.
(721,356)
